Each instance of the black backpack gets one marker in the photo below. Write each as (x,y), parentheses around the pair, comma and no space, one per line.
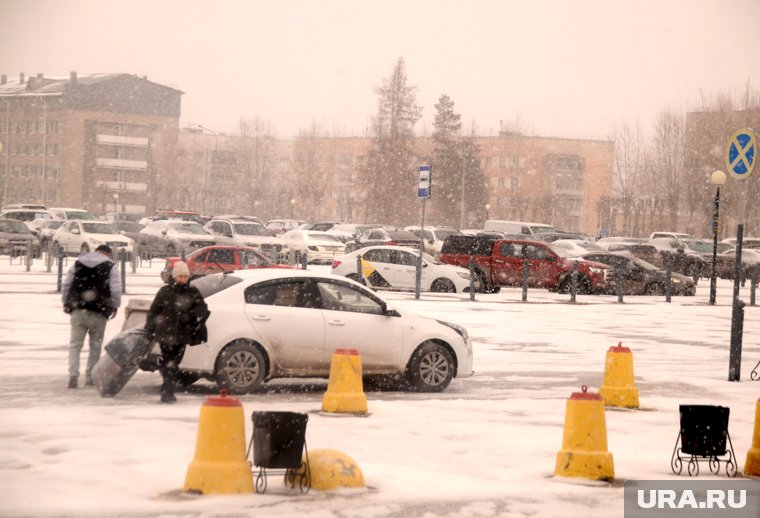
(90,288)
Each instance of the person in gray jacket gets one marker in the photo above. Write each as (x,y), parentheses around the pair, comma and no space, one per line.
(91,295)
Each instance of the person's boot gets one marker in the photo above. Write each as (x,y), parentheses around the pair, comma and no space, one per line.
(73,382)
(167,392)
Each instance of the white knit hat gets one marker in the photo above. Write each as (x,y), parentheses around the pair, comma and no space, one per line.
(180,268)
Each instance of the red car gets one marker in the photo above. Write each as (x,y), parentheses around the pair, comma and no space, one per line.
(215,259)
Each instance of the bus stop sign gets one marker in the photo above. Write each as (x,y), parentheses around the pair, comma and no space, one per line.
(741,154)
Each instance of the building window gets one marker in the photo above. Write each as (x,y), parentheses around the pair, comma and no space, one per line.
(501,181)
(502,162)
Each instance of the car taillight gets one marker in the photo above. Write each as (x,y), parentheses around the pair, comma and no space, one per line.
(335,263)
(392,243)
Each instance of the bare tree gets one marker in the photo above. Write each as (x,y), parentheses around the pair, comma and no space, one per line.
(255,163)
(630,149)
(669,144)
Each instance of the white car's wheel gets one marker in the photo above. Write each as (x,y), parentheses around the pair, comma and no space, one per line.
(240,368)
(443,286)
(430,368)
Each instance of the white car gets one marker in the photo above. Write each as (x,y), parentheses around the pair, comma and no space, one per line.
(77,236)
(577,247)
(243,232)
(70,213)
(395,268)
(170,237)
(319,247)
(348,231)
(32,218)
(278,323)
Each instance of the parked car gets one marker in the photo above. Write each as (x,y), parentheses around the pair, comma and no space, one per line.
(124,216)
(747,242)
(276,323)
(576,247)
(279,226)
(500,262)
(44,230)
(319,247)
(550,237)
(166,237)
(79,236)
(129,229)
(70,213)
(640,277)
(348,231)
(677,235)
(518,227)
(679,256)
(37,206)
(220,258)
(750,262)
(395,268)
(724,266)
(320,226)
(383,236)
(29,217)
(433,237)
(246,232)
(634,246)
(15,238)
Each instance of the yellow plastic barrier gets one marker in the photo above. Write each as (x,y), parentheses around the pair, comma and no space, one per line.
(220,465)
(584,441)
(330,469)
(618,387)
(345,393)
(752,464)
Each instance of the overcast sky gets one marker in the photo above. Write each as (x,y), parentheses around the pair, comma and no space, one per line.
(567,68)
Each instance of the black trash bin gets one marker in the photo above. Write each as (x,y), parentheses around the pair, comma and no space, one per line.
(704,429)
(278,439)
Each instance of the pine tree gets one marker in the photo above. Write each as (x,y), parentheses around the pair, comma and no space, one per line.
(447,163)
(389,170)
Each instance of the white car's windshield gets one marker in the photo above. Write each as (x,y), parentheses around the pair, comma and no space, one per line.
(322,237)
(187,228)
(251,229)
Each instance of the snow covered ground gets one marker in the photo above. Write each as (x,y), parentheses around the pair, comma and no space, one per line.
(485,447)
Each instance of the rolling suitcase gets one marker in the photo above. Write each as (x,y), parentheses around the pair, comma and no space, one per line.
(120,362)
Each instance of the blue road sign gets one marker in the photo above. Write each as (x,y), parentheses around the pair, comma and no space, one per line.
(741,154)
(423,187)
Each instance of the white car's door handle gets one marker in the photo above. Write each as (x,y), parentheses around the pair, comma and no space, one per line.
(336,322)
(263,318)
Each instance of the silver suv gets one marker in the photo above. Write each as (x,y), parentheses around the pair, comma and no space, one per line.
(246,232)
(171,237)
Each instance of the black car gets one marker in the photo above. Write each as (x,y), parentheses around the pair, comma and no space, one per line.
(640,277)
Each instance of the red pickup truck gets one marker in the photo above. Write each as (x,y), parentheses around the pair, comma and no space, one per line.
(499,262)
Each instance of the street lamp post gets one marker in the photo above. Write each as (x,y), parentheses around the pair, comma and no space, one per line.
(116,202)
(718,178)
(488,207)
(292,208)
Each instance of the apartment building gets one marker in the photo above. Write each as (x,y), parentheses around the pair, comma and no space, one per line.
(101,142)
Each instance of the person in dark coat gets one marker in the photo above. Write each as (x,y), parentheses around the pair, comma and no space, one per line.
(91,295)
(177,317)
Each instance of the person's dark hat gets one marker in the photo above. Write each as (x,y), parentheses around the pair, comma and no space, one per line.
(105,249)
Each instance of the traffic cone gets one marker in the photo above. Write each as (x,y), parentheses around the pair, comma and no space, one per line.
(220,465)
(331,469)
(618,387)
(752,464)
(584,441)
(345,393)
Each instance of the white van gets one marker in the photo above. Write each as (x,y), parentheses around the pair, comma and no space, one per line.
(518,227)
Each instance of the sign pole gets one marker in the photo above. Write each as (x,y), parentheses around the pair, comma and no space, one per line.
(741,157)
(423,192)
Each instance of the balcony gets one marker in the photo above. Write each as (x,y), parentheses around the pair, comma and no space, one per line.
(117,140)
(124,186)
(120,163)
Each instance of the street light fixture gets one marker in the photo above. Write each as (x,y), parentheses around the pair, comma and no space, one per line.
(292,208)
(718,178)
(488,207)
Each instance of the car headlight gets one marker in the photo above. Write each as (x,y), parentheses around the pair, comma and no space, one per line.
(598,271)
(677,281)
(313,248)
(464,275)
(461,331)
(95,241)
